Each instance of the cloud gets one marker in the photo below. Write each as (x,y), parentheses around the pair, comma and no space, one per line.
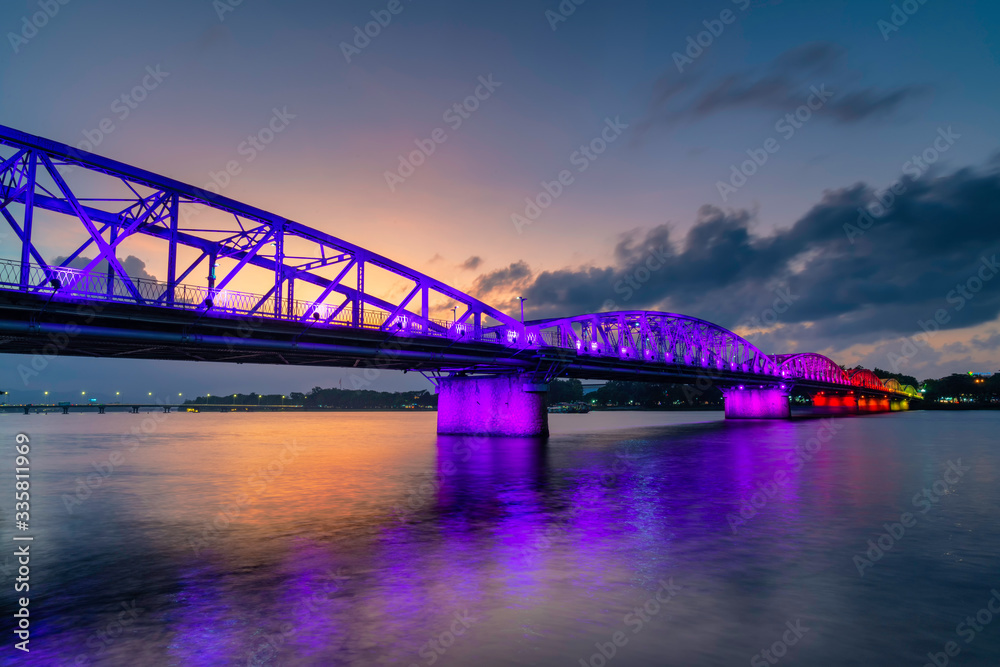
(134,267)
(830,293)
(472,263)
(781,85)
(990,344)
(502,281)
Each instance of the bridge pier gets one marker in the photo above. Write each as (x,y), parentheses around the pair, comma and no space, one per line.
(874,404)
(757,403)
(508,405)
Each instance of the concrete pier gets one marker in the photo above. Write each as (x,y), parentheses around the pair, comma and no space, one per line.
(757,404)
(501,406)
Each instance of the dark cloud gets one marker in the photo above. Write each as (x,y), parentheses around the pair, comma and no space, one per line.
(830,291)
(134,267)
(472,263)
(782,85)
(990,344)
(502,281)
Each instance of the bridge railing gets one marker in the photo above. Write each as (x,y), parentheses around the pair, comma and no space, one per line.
(72,283)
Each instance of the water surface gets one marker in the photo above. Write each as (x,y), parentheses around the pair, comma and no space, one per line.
(350,538)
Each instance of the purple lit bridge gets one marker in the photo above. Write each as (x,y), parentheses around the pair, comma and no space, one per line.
(247,286)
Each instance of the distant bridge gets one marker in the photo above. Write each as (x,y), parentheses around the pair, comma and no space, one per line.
(270,290)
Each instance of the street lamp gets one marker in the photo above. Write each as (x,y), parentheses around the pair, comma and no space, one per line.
(522,300)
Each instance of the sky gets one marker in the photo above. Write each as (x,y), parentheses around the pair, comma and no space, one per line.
(716,157)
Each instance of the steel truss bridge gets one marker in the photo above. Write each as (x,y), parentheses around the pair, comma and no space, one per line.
(247,286)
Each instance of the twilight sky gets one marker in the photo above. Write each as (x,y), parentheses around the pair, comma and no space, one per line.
(649,130)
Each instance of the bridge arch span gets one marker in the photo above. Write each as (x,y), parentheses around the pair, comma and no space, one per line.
(866,379)
(653,336)
(811,366)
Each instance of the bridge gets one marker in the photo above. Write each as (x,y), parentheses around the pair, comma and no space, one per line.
(247,286)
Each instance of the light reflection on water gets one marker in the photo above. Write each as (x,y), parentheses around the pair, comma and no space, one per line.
(327,539)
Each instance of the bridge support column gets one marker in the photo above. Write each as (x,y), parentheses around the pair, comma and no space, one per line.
(874,404)
(757,404)
(508,405)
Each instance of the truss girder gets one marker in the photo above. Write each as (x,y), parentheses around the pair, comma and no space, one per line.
(258,241)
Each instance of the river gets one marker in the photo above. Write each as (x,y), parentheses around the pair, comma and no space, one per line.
(626,538)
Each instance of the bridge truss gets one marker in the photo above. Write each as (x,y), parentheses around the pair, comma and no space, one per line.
(226,260)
